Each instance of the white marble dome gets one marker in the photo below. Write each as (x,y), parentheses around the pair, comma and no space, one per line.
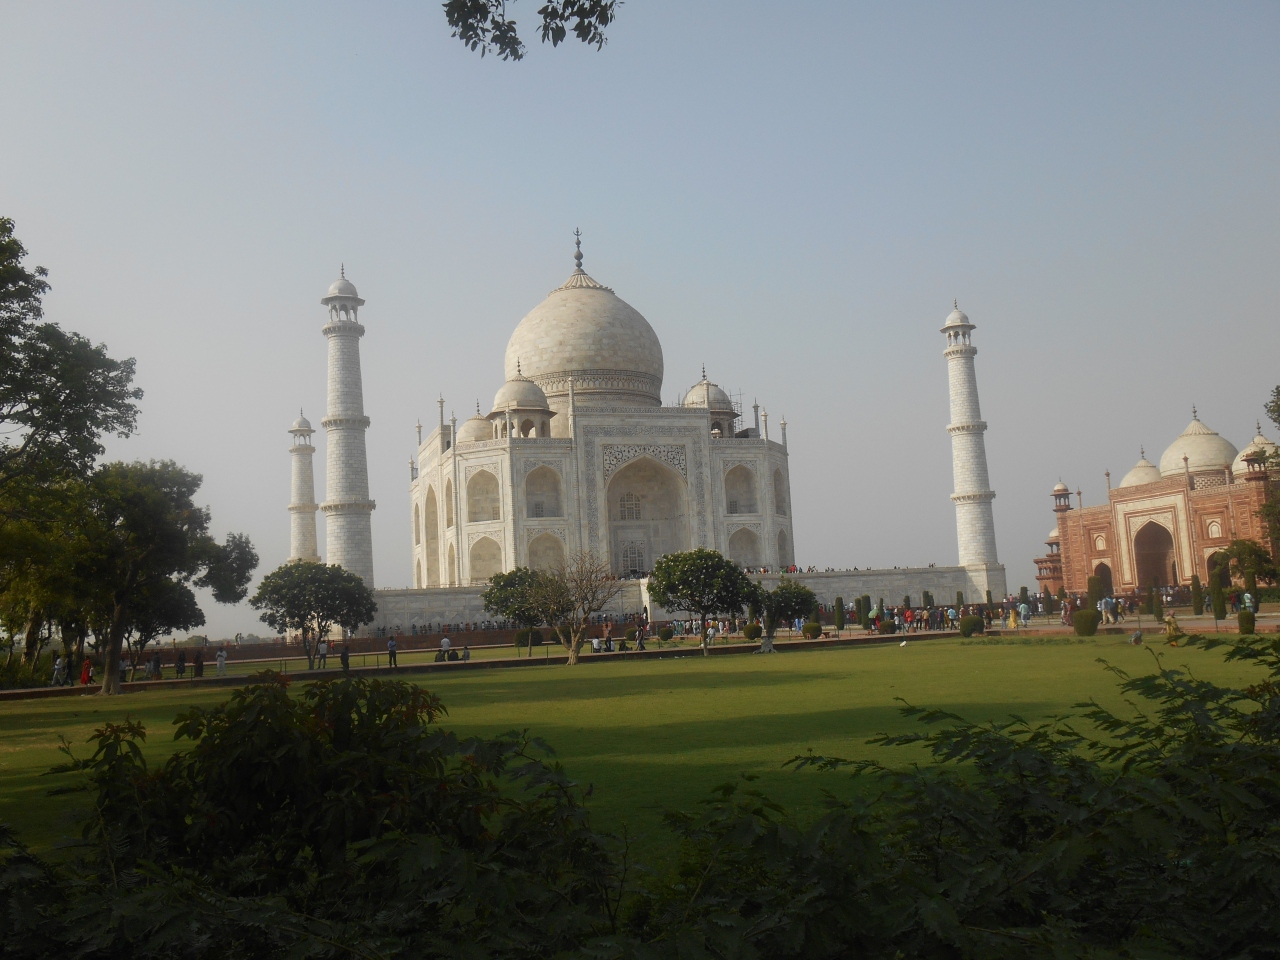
(302,423)
(519,393)
(585,331)
(1053,535)
(704,393)
(475,428)
(1259,444)
(1205,450)
(1144,471)
(1061,487)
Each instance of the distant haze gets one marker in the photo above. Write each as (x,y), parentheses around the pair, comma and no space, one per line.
(794,202)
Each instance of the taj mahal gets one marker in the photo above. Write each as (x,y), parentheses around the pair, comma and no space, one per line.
(579,453)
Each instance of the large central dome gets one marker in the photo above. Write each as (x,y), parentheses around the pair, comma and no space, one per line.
(585,331)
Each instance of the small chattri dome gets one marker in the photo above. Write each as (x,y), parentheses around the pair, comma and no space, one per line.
(1205,450)
(957,317)
(519,393)
(706,394)
(1053,536)
(1061,487)
(475,428)
(1259,446)
(342,287)
(1144,471)
(302,423)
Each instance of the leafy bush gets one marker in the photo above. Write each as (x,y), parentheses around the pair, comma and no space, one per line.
(665,634)
(887,626)
(528,635)
(811,631)
(1197,595)
(839,613)
(630,634)
(1086,622)
(16,673)
(970,625)
(752,632)
(1246,621)
(1157,604)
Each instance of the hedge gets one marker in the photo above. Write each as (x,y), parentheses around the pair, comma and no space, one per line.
(811,631)
(970,625)
(1247,622)
(752,632)
(523,637)
(1086,622)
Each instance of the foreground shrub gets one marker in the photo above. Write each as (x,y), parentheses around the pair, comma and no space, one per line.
(752,632)
(630,634)
(1247,622)
(811,631)
(970,625)
(1086,622)
(887,626)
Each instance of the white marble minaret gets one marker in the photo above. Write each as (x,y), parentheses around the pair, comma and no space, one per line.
(348,533)
(975,526)
(302,504)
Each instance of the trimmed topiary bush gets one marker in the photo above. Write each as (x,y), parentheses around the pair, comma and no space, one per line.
(752,632)
(888,627)
(1157,604)
(1095,591)
(970,625)
(1247,622)
(630,634)
(1218,598)
(811,631)
(1197,595)
(1024,596)
(665,634)
(839,613)
(1086,622)
(959,599)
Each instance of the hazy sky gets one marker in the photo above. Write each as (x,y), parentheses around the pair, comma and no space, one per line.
(790,192)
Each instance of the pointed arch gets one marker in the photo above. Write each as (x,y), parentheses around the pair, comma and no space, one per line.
(542,493)
(431,538)
(485,559)
(484,499)
(740,490)
(546,553)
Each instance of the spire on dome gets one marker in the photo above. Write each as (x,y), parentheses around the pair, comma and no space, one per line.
(577,253)
(955,302)
(1142,452)
(1194,415)
(704,371)
(519,372)
(342,271)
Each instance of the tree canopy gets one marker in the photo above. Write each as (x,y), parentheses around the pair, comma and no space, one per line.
(787,601)
(59,393)
(485,26)
(518,596)
(311,599)
(701,582)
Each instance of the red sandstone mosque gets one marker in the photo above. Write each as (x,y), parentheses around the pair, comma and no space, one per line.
(1162,524)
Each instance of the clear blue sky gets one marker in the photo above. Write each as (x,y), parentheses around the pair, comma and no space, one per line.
(792,193)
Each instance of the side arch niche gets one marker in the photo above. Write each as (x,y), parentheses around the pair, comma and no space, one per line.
(779,494)
(1153,550)
(431,538)
(448,503)
(486,559)
(453,567)
(648,515)
(1103,572)
(417,525)
(740,491)
(785,557)
(744,548)
(484,501)
(546,553)
(542,493)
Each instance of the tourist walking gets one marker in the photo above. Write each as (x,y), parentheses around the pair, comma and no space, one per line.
(322,654)
(197,665)
(222,661)
(86,673)
(345,658)
(59,672)
(391,650)
(182,664)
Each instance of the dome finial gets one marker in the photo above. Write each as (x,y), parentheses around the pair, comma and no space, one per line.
(519,372)
(342,271)
(955,302)
(704,371)
(1257,425)
(1142,452)
(1194,415)
(577,252)
(477,406)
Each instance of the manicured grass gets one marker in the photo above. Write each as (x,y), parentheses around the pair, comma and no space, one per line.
(657,735)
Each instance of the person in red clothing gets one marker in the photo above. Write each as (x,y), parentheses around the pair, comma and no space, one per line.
(86,673)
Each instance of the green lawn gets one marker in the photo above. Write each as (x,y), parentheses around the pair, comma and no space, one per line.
(656,735)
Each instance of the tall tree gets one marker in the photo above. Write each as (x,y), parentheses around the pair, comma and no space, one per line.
(702,583)
(311,599)
(516,596)
(484,25)
(59,393)
(785,602)
(147,534)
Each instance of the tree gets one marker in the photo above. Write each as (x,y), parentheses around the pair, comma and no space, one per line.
(521,596)
(700,582)
(483,24)
(58,392)
(1197,595)
(785,602)
(164,607)
(311,599)
(1251,562)
(573,594)
(839,615)
(145,534)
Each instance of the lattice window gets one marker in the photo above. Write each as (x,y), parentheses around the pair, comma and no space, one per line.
(629,507)
(733,506)
(633,557)
(537,509)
